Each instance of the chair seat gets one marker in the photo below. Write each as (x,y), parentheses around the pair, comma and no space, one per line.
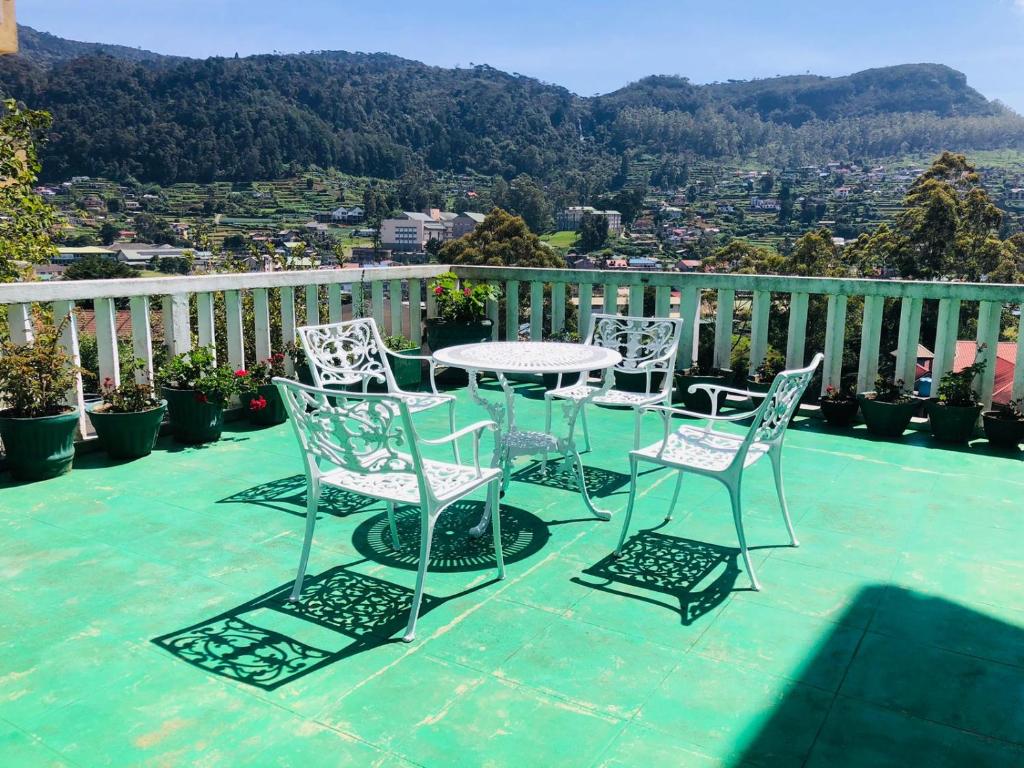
(618,397)
(700,450)
(446,480)
(421,401)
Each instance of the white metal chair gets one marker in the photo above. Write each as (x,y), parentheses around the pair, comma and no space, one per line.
(648,346)
(352,352)
(351,441)
(724,455)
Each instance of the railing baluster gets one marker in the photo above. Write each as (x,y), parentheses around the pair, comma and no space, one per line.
(636,300)
(611,298)
(106,342)
(909,338)
(796,336)
(492,315)
(835,335)
(395,289)
(947,330)
(261,316)
(19,322)
(585,308)
(177,333)
(233,329)
(377,302)
(870,340)
(662,301)
(287,321)
(142,335)
(206,326)
(334,303)
(759,328)
(989,317)
(313,304)
(69,341)
(1018,371)
(557,307)
(357,299)
(723,328)
(689,312)
(431,302)
(536,310)
(511,310)
(415,312)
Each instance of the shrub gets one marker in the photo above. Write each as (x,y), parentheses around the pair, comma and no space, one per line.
(35,378)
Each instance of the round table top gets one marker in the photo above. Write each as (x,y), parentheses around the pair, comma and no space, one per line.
(528,357)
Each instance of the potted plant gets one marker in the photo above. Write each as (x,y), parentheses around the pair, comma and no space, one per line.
(889,408)
(197,391)
(37,427)
(561,337)
(953,415)
(260,398)
(838,406)
(408,373)
(701,373)
(299,362)
(1004,425)
(461,312)
(127,419)
(765,373)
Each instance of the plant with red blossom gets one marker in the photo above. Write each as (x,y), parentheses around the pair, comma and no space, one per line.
(462,302)
(197,370)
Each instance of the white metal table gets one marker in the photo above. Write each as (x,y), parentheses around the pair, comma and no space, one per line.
(517,357)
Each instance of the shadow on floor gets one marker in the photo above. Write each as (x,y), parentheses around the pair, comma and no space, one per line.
(452,551)
(600,482)
(367,610)
(934,683)
(288,494)
(680,568)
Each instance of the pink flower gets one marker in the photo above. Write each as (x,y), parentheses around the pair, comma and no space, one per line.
(438,290)
(466,291)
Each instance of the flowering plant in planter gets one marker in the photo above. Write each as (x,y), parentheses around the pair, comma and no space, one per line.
(197,371)
(259,395)
(838,405)
(465,303)
(130,396)
(889,408)
(127,421)
(953,415)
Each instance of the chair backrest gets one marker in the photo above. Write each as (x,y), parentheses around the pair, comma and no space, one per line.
(363,433)
(639,340)
(347,353)
(780,403)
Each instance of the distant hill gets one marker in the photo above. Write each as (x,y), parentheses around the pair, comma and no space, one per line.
(121,112)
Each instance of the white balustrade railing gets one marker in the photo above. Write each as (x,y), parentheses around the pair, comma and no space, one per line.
(715,300)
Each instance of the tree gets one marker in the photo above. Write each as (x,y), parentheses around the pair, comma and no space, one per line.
(95,266)
(593,232)
(766,183)
(234,242)
(527,200)
(500,240)
(26,220)
(108,233)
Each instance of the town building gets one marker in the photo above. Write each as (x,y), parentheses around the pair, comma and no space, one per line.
(572,217)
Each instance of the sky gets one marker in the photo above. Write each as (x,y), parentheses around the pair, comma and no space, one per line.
(589,47)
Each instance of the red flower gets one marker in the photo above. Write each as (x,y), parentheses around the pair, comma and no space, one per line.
(466,291)
(241,372)
(201,398)
(258,403)
(438,290)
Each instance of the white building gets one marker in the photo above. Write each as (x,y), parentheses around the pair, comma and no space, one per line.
(572,217)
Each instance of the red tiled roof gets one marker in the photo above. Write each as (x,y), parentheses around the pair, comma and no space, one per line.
(1006,362)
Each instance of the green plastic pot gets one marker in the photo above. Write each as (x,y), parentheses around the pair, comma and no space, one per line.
(700,401)
(952,423)
(441,333)
(1002,433)
(637,382)
(408,373)
(886,419)
(192,420)
(39,448)
(273,413)
(838,413)
(127,435)
(304,374)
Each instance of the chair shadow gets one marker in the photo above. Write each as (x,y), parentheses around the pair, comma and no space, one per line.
(600,482)
(288,494)
(368,610)
(672,566)
(452,550)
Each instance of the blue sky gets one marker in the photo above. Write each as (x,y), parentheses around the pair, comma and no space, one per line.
(589,47)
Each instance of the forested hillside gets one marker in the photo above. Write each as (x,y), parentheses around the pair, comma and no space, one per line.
(126,113)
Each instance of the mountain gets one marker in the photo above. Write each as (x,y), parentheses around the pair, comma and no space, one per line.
(124,112)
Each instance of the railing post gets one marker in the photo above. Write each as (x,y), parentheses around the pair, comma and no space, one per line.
(946,331)
(357,299)
(662,301)
(204,320)
(395,291)
(636,300)
(107,352)
(586,307)
(611,298)
(511,310)
(557,307)
(288,334)
(233,329)
(377,302)
(536,310)
(261,320)
(689,312)
(909,338)
(19,322)
(759,328)
(142,336)
(431,302)
(723,328)
(870,340)
(334,314)
(415,312)
(835,334)
(492,315)
(313,304)
(796,335)
(177,334)
(989,317)
(69,341)
(1018,370)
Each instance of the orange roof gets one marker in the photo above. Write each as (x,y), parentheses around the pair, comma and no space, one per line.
(1006,363)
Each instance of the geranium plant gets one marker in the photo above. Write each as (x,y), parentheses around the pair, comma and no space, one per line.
(956,388)
(198,370)
(397,342)
(464,302)
(130,396)
(260,375)
(890,390)
(35,378)
(769,368)
(838,394)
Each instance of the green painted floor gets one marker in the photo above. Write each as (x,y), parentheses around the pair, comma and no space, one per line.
(142,619)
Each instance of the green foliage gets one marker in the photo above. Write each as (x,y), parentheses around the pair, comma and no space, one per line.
(261,373)
(129,396)
(956,388)
(772,365)
(593,232)
(838,394)
(26,220)
(890,390)
(95,266)
(35,378)
(500,240)
(398,343)
(198,370)
(465,303)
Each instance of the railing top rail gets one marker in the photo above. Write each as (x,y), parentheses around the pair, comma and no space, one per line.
(74,290)
(775,283)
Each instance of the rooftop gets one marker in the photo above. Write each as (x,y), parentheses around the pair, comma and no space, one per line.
(144,618)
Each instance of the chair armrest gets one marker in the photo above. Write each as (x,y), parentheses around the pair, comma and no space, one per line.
(655,361)
(431,363)
(667,411)
(713,389)
(476,429)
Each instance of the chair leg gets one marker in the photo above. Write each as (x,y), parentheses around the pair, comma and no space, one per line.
(586,429)
(737,516)
(312,502)
(492,491)
(547,431)
(451,427)
(776,459)
(506,468)
(675,496)
(391,524)
(426,535)
(636,428)
(633,468)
